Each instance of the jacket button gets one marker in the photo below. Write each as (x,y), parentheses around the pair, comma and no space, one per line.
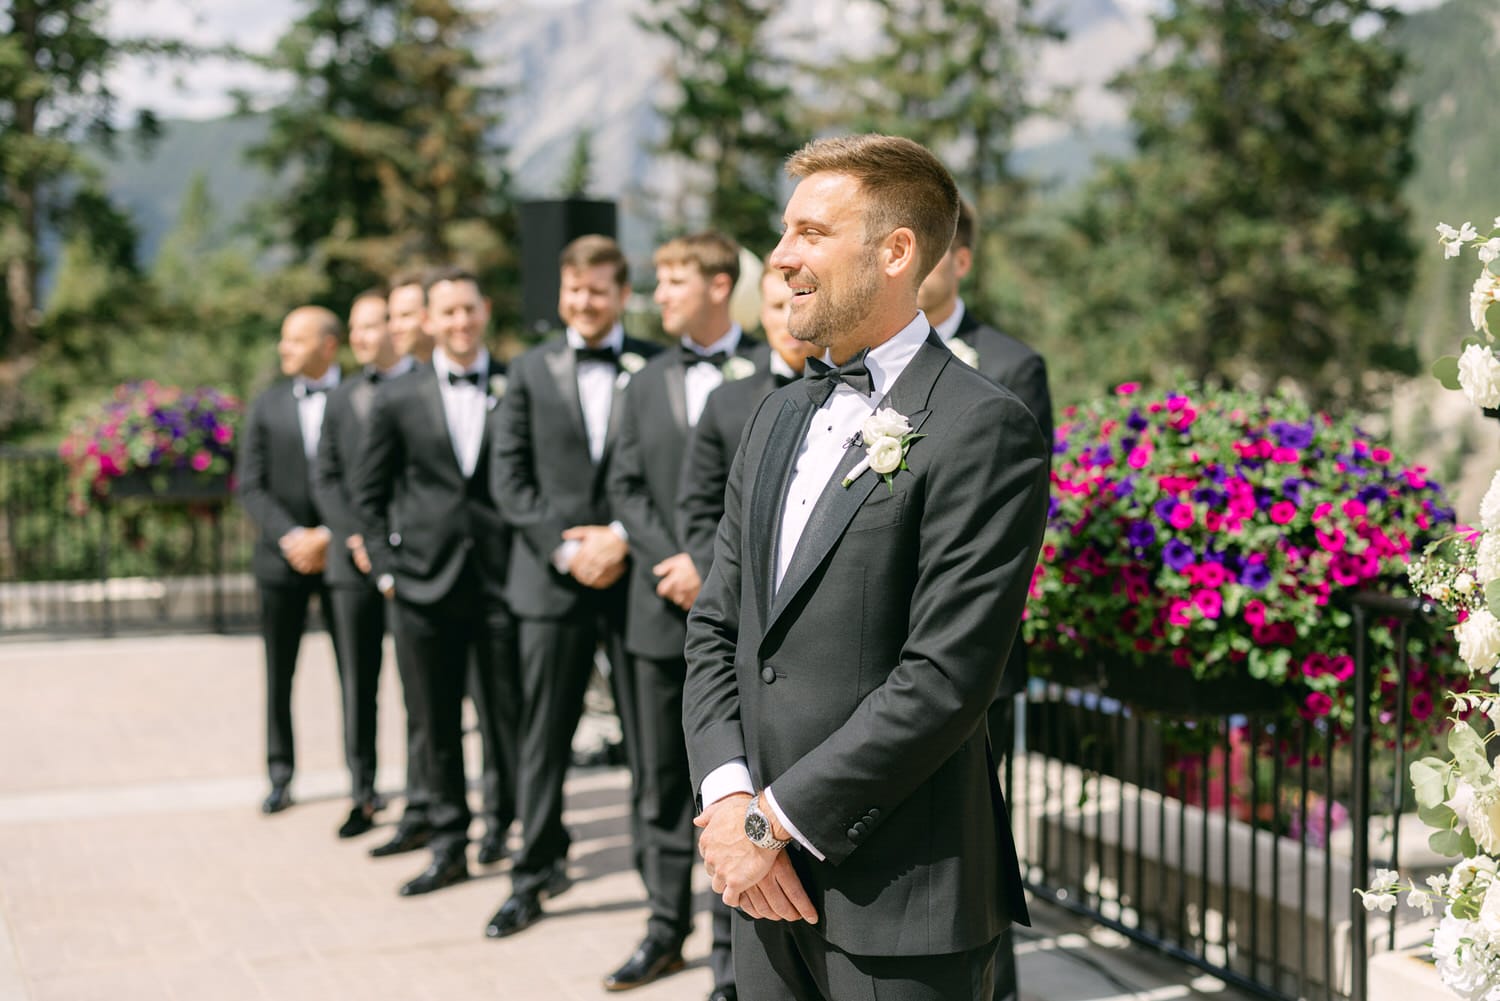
(395,538)
(874,813)
(859,828)
(767,675)
(854,833)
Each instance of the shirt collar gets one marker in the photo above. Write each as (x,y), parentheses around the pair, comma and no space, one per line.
(779,366)
(887,361)
(949,327)
(614,340)
(328,381)
(444,366)
(726,344)
(403,365)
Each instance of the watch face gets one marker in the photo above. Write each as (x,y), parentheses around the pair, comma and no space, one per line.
(756,828)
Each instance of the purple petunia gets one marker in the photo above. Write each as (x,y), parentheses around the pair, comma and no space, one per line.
(1255,575)
(1142,534)
(1178,554)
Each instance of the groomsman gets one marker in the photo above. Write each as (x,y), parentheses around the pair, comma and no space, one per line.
(552,446)
(438,548)
(1007,362)
(406,305)
(694,278)
(716,437)
(358,609)
(275,486)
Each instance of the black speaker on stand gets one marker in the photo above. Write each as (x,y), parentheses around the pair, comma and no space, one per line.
(546,228)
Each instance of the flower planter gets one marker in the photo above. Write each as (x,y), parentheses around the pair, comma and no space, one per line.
(183,486)
(1170,690)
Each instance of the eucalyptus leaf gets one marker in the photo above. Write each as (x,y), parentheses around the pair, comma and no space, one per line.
(1447,843)
(1445,370)
(1492,597)
(1429,778)
(1440,817)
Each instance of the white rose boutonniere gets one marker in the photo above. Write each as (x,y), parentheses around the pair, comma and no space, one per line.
(498,386)
(964,352)
(737,368)
(632,362)
(887,437)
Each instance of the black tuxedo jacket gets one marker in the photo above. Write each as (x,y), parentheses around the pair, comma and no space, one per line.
(644,474)
(710,454)
(422,520)
(344,420)
(858,689)
(541,473)
(275,481)
(1009,363)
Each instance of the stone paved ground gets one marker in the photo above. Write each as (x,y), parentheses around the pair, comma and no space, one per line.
(134,863)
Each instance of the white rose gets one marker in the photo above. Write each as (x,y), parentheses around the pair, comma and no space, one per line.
(964,352)
(1464,582)
(885,454)
(884,423)
(1484,827)
(1489,914)
(1479,640)
(1487,557)
(632,362)
(1489,508)
(1479,375)
(1485,287)
(498,385)
(737,368)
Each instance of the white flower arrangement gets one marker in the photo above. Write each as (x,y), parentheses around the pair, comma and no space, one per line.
(886,436)
(964,352)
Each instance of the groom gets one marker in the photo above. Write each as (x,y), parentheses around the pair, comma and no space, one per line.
(849,638)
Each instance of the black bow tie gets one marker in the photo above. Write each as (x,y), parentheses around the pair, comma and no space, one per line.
(303,390)
(607,355)
(472,378)
(822,378)
(373,377)
(691,358)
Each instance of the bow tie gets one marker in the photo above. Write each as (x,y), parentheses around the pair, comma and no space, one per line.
(472,378)
(303,390)
(822,378)
(373,377)
(691,358)
(606,355)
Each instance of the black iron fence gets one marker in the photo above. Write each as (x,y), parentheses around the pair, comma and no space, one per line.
(132,563)
(1230,838)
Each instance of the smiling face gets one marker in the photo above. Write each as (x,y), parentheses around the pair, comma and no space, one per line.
(309,342)
(369,335)
(407,308)
(692,304)
(831,266)
(590,300)
(775,303)
(457,316)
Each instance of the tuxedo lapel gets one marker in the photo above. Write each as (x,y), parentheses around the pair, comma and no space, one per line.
(837,505)
(769,492)
(291,408)
(564,371)
(676,378)
(432,398)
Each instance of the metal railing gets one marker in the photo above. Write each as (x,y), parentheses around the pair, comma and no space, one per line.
(1221,838)
(106,567)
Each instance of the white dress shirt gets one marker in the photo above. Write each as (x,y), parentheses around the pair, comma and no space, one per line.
(949,327)
(310,407)
(596,387)
(700,380)
(464,406)
(817,460)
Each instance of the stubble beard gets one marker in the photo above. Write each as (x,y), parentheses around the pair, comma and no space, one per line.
(834,317)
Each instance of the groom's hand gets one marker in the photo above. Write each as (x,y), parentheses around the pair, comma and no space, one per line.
(780,896)
(761,882)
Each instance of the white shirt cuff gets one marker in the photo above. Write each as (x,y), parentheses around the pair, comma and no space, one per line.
(726,780)
(562,556)
(769,799)
(619,530)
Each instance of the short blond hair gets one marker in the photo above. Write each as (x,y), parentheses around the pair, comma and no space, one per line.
(906,184)
(712,253)
(590,251)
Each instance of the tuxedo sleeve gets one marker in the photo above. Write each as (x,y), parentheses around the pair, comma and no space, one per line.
(380,460)
(330,487)
(700,495)
(255,460)
(651,538)
(513,480)
(978,539)
(711,696)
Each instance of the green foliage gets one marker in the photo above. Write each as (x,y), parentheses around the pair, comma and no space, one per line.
(1260,229)
(730,112)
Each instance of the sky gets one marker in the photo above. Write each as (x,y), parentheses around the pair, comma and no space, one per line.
(203,89)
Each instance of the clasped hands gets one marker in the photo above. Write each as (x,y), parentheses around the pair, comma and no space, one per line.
(306,549)
(600,559)
(760,882)
(678,580)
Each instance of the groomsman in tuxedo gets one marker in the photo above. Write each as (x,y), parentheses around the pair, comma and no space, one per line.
(716,436)
(1007,362)
(694,278)
(881,524)
(438,548)
(358,609)
(554,439)
(406,306)
(275,486)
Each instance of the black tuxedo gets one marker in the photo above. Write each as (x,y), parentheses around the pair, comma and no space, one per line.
(857,689)
(440,537)
(276,490)
(359,610)
(545,480)
(644,473)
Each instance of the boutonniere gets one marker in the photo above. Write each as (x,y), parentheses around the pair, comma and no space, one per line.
(887,437)
(964,352)
(632,362)
(498,385)
(737,368)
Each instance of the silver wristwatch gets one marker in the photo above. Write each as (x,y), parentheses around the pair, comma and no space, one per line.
(758,827)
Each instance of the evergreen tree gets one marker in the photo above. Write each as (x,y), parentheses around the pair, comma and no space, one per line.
(1261,228)
(729,114)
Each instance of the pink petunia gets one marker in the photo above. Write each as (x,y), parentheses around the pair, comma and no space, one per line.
(1333,541)
(1282,512)
(201,460)
(1381,455)
(1341,667)
(223,434)
(1213,521)
(1421,706)
(1286,456)
(1139,458)
(1127,388)
(1316,704)
(1181,517)
(1210,603)
(1177,613)
(1255,612)
(1355,509)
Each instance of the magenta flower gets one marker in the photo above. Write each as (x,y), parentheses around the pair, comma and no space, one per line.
(1282,512)
(1181,517)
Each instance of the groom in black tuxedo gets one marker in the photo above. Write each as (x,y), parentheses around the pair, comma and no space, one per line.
(553,442)
(279,452)
(881,524)
(694,278)
(438,548)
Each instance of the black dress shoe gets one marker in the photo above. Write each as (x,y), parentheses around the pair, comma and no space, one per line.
(361,819)
(521,911)
(651,961)
(725,994)
(445,870)
(491,848)
(278,799)
(558,880)
(406,839)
